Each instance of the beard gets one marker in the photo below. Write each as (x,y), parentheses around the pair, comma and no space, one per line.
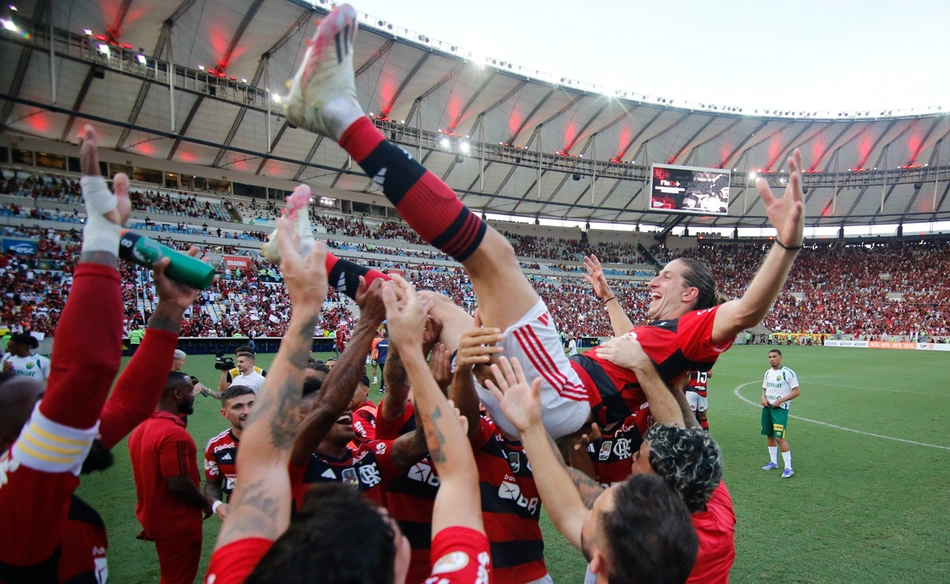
(186,408)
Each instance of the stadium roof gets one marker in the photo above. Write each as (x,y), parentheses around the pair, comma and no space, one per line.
(489,128)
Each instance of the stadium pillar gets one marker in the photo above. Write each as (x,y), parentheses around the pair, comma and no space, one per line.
(268,98)
(936,174)
(884,182)
(538,148)
(481,165)
(593,166)
(171,73)
(52,55)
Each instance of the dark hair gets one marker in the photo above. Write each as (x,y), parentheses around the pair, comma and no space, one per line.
(698,276)
(311,386)
(25,339)
(338,537)
(235,391)
(688,460)
(775,351)
(244,349)
(364,380)
(649,534)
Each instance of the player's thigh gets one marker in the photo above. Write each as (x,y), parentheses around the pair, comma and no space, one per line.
(767,428)
(779,423)
(503,292)
(536,344)
(178,558)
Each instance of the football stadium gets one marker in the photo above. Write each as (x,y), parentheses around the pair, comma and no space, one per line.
(318,385)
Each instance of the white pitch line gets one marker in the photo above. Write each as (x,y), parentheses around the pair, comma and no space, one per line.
(835,426)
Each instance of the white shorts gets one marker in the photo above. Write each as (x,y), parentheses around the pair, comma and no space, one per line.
(697,403)
(535,342)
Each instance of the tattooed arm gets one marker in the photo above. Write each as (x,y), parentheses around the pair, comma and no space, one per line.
(337,389)
(397,386)
(458,502)
(260,504)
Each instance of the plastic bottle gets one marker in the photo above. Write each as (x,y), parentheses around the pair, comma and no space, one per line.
(145,251)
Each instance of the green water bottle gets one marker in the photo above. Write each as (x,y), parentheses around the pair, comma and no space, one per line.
(145,251)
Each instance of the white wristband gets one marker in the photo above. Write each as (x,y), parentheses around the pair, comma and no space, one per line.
(215,505)
(99,234)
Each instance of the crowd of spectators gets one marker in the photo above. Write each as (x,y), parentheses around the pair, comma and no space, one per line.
(892,288)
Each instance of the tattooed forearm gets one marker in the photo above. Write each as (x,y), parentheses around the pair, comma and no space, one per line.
(586,486)
(409,449)
(283,424)
(395,372)
(259,510)
(166,318)
(434,436)
(213,490)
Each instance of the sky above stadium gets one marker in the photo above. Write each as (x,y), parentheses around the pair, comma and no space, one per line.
(804,55)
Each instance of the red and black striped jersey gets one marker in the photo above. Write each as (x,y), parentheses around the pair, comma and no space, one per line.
(83,551)
(221,460)
(675,347)
(611,453)
(510,507)
(410,497)
(370,469)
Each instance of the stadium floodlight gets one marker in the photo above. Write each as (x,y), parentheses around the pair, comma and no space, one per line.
(141,58)
(201,67)
(243,80)
(87,32)
(464,147)
(9,25)
(104,49)
(444,142)
(751,176)
(275,97)
(12,7)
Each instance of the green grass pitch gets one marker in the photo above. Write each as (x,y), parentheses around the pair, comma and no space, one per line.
(868,502)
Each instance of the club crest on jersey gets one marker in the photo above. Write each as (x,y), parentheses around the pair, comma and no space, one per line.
(514,461)
(29,365)
(381,448)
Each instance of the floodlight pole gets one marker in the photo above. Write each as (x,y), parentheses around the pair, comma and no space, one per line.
(419,133)
(52,54)
(171,74)
(267,97)
(933,207)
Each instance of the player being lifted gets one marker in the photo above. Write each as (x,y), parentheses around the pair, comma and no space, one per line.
(687,330)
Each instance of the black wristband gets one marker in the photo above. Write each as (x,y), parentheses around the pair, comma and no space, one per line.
(788,247)
(609,299)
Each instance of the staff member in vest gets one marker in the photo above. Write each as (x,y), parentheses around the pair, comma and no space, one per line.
(382,352)
(20,359)
(135,339)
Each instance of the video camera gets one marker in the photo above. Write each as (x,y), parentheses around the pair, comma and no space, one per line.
(222,363)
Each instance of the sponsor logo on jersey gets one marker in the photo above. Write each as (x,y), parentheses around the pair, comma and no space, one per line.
(329,474)
(226,456)
(381,448)
(225,446)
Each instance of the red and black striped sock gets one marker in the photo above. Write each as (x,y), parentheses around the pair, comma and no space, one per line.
(427,204)
(345,275)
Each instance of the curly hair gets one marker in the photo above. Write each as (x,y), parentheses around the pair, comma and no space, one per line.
(688,460)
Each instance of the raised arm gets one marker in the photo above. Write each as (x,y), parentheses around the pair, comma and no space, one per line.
(140,385)
(619,321)
(337,389)
(458,502)
(396,397)
(522,406)
(787,216)
(475,348)
(260,504)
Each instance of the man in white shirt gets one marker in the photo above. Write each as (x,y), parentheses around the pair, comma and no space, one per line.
(248,374)
(779,387)
(571,345)
(20,359)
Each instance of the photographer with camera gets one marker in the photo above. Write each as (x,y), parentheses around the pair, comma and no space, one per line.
(244,373)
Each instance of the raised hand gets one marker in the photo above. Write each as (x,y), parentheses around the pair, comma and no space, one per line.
(169,290)
(520,402)
(595,277)
(305,277)
(787,214)
(89,165)
(405,313)
(440,364)
(477,346)
(370,300)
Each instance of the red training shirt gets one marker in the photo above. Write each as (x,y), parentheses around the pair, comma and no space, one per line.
(715,528)
(159,448)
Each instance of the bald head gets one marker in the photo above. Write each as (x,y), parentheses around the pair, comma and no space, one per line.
(18,397)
